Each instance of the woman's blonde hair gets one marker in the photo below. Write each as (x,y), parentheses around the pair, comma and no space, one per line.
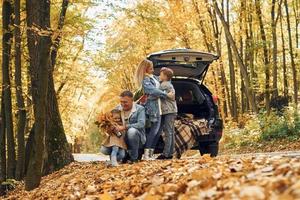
(141,71)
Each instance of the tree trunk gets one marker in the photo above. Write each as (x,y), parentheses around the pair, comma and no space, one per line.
(266,56)
(220,69)
(248,87)
(285,81)
(274,51)
(253,73)
(296,8)
(224,85)
(208,43)
(2,146)
(38,21)
(19,93)
(58,152)
(6,48)
(234,113)
(293,65)
(244,99)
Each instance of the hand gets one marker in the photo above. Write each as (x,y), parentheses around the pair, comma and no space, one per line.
(211,123)
(120,128)
(171,95)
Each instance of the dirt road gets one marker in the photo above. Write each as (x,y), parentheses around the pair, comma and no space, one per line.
(100,157)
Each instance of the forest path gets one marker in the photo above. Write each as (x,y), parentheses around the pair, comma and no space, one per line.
(90,157)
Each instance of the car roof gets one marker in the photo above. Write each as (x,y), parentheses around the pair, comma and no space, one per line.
(183,51)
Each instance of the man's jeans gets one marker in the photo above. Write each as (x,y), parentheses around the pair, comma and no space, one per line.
(113,151)
(152,135)
(134,143)
(167,126)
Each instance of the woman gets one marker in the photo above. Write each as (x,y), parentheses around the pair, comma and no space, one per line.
(150,84)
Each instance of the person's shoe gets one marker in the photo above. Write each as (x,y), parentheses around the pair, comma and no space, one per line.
(146,154)
(151,154)
(114,162)
(163,157)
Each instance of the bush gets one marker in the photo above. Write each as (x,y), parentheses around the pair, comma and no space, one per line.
(280,126)
(256,129)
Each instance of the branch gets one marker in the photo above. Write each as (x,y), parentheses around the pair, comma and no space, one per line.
(57,38)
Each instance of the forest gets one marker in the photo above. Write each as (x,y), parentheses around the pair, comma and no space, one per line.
(62,64)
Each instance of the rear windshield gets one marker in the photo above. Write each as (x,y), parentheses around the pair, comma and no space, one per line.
(165,63)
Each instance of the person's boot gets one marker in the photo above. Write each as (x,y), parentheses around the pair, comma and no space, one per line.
(114,161)
(146,154)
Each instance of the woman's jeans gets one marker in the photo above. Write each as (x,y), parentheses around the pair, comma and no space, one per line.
(115,152)
(153,136)
(167,126)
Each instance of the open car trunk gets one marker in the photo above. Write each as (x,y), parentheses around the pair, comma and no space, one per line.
(184,62)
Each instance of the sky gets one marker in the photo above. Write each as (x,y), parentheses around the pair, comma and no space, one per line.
(96,36)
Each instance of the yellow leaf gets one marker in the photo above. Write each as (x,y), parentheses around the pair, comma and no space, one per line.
(105,196)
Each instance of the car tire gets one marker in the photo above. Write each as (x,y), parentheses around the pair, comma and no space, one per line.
(211,148)
(203,148)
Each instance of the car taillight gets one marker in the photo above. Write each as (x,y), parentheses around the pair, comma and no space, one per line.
(215,99)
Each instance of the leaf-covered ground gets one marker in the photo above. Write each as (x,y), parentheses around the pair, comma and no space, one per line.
(247,177)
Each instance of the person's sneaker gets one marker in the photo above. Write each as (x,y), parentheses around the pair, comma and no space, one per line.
(163,157)
(114,161)
(146,155)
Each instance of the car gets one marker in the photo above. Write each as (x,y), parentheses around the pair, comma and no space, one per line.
(193,97)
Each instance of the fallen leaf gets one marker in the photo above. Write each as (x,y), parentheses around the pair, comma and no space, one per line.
(252,192)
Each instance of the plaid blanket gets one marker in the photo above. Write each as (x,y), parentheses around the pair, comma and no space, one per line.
(186,133)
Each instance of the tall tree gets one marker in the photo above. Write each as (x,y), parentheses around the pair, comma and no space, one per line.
(293,65)
(248,87)
(274,18)
(231,69)
(39,44)
(296,8)
(284,68)
(19,94)
(6,87)
(208,43)
(247,13)
(2,146)
(217,46)
(265,53)
(58,152)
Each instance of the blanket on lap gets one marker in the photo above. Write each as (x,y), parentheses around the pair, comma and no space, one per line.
(187,132)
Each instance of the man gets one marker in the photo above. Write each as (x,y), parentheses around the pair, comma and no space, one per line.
(133,117)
